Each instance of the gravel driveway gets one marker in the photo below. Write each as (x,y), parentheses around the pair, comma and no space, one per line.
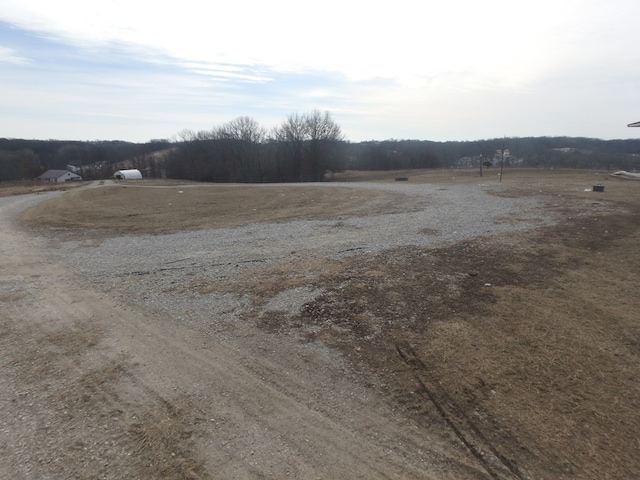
(145,269)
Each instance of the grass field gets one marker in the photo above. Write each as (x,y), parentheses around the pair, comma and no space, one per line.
(138,209)
(33,186)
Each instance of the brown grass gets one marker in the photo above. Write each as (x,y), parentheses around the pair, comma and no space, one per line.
(51,349)
(163,447)
(527,344)
(131,209)
(22,187)
(531,176)
(544,362)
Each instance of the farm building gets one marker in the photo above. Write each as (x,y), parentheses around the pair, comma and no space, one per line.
(59,176)
(133,174)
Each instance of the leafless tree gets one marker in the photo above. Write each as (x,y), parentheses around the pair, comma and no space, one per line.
(239,142)
(323,137)
(290,135)
(302,148)
(309,144)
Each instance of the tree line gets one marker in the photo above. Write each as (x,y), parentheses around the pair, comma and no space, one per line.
(532,152)
(27,159)
(303,148)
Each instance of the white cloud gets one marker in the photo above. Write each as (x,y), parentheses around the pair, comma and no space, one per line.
(496,40)
(8,55)
(460,66)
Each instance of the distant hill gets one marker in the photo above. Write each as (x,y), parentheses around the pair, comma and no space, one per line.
(20,158)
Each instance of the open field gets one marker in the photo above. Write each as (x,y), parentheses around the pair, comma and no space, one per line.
(140,208)
(511,354)
(33,186)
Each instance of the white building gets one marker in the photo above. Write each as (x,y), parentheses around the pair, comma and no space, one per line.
(59,176)
(133,174)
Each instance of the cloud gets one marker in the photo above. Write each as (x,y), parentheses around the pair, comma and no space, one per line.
(454,69)
(496,40)
(8,55)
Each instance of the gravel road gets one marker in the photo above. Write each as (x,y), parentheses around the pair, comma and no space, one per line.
(86,366)
(146,268)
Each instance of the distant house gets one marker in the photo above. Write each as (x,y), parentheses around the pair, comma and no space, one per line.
(59,176)
(133,174)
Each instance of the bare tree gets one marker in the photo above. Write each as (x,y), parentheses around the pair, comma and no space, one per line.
(240,142)
(186,135)
(323,137)
(243,128)
(302,148)
(290,136)
(308,144)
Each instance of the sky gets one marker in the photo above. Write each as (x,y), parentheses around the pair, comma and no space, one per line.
(452,70)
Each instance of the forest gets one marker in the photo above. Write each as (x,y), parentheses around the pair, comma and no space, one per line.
(306,147)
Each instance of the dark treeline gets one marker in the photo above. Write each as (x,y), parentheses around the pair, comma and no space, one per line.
(26,159)
(542,152)
(302,149)
(308,147)
(291,154)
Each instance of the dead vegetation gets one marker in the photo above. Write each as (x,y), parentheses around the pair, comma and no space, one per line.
(24,187)
(131,209)
(163,444)
(526,345)
(521,341)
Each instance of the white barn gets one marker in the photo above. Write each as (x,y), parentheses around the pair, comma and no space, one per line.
(59,176)
(133,174)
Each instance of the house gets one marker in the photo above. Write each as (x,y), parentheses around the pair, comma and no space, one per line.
(133,174)
(59,176)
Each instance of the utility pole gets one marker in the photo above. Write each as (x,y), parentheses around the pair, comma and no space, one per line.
(502,161)
(505,153)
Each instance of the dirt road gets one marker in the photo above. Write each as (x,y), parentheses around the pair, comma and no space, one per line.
(91,387)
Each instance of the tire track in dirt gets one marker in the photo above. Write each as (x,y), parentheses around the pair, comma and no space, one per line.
(495,463)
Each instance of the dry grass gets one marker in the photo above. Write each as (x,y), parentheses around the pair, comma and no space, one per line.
(52,351)
(527,344)
(511,176)
(163,446)
(170,206)
(544,362)
(131,209)
(23,187)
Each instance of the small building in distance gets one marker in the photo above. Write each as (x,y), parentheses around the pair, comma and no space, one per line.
(133,174)
(59,176)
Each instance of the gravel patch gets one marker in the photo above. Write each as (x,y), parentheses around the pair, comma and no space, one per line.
(292,300)
(147,269)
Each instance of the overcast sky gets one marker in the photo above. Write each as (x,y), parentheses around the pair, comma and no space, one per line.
(447,70)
